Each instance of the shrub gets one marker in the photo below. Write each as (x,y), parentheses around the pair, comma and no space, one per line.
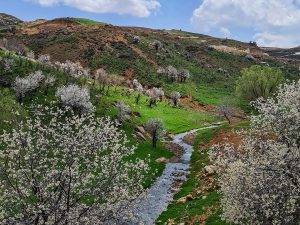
(258,81)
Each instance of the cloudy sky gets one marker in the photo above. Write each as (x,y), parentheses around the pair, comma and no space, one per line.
(269,22)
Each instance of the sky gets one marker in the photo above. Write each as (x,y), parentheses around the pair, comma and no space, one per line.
(268,22)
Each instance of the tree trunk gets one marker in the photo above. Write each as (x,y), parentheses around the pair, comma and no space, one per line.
(137,98)
(154,140)
(175,102)
(227,118)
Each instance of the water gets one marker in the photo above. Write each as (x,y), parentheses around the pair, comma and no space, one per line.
(160,194)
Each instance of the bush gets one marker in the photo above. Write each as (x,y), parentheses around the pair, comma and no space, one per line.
(258,81)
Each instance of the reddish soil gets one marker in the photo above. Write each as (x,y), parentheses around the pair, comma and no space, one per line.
(189,102)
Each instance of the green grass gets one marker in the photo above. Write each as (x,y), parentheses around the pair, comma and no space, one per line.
(176,120)
(198,205)
(88,22)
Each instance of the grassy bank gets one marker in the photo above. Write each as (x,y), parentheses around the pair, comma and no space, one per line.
(205,205)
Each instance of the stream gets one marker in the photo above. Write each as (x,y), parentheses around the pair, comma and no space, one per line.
(160,194)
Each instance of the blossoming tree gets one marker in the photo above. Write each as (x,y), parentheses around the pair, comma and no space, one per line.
(76,97)
(260,180)
(67,170)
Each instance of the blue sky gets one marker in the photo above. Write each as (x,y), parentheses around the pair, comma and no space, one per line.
(269,22)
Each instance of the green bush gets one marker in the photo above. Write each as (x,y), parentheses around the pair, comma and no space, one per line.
(258,81)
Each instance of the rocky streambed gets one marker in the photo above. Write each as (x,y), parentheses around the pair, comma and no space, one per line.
(160,194)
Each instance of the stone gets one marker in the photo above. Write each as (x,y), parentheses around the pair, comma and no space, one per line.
(140,129)
(171,136)
(181,200)
(140,136)
(137,114)
(162,160)
(185,199)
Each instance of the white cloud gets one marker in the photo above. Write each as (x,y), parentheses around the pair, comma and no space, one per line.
(225,31)
(273,22)
(137,8)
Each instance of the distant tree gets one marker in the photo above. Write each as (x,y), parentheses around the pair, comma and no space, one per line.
(172,73)
(260,179)
(227,108)
(136,39)
(161,70)
(139,89)
(183,75)
(156,129)
(67,170)
(27,85)
(30,54)
(175,96)
(154,95)
(123,112)
(157,45)
(75,70)
(44,59)
(258,81)
(76,97)
(102,77)
(8,64)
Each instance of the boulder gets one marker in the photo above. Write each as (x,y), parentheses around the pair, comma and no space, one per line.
(137,114)
(185,199)
(140,136)
(140,129)
(162,160)
(171,136)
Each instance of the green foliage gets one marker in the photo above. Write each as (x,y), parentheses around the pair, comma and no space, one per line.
(176,120)
(10,110)
(198,205)
(258,81)
(88,22)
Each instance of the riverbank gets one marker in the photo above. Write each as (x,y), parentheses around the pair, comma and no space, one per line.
(198,201)
(161,193)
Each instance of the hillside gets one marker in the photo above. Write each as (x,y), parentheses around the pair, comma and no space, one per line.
(170,92)
(214,63)
(8,20)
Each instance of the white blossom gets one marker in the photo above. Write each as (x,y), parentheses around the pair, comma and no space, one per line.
(8,64)
(123,111)
(75,97)
(156,129)
(175,96)
(22,86)
(75,70)
(154,94)
(260,180)
(44,59)
(70,170)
